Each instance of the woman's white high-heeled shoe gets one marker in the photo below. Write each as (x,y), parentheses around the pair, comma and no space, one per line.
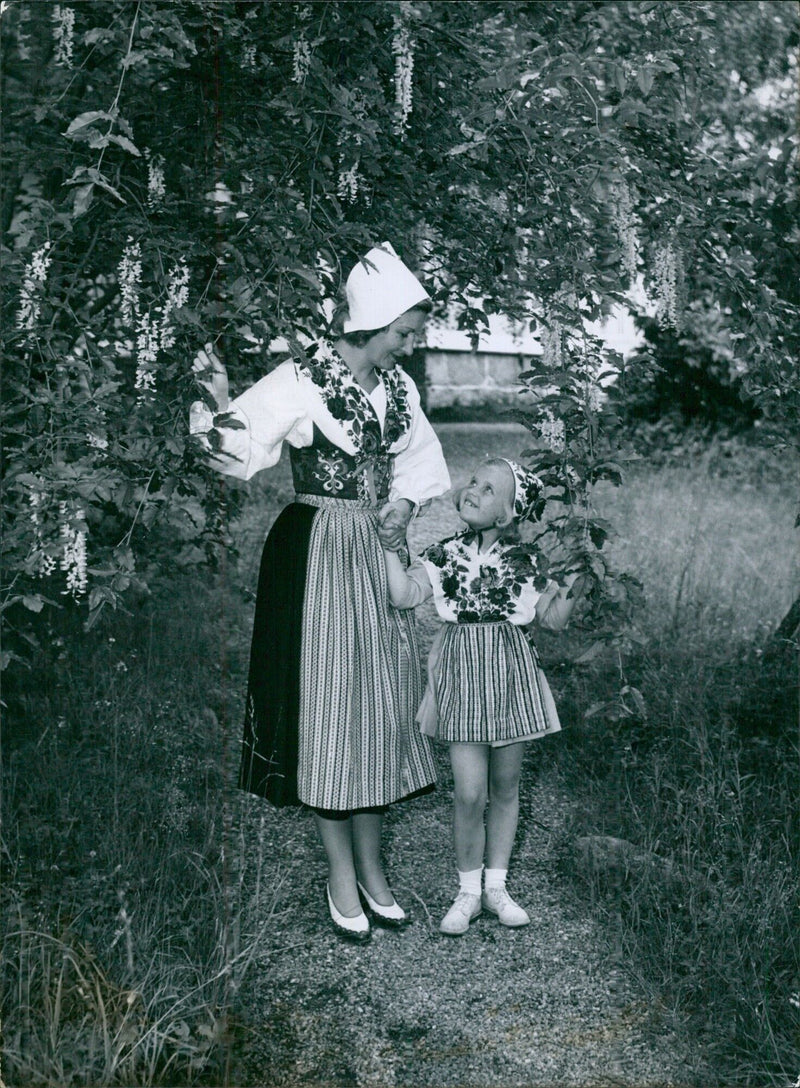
(394,916)
(355,929)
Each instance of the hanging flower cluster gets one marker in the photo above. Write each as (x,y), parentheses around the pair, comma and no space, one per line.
(403,49)
(301,59)
(177,296)
(668,284)
(33,280)
(301,49)
(248,61)
(153,332)
(44,564)
(147,345)
(155,179)
(593,396)
(348,183)
(350,138)
(129,274)
(73,559)
(624,220)
(23,37)
(551,432)
(551,338)
(63,34)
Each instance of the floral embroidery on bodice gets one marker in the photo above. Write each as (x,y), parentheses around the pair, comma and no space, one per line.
(483,587)
(323,468)
(350,405)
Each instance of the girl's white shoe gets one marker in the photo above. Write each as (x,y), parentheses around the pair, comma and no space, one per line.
(465,907)
(355,929)
(394,916)
(498,901)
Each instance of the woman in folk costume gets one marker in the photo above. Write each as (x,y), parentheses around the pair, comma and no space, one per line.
(335,681)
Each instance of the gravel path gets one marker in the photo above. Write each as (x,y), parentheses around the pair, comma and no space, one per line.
(546,1005)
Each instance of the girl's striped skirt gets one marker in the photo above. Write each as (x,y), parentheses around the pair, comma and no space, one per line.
(334,681)
(485,686)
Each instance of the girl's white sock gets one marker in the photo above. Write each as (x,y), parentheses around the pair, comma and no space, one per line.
(495,878)
(471,881)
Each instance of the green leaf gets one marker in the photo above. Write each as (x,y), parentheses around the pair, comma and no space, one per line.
(644,77)
(83,197)
(593,652)
(123,141)
(86,119)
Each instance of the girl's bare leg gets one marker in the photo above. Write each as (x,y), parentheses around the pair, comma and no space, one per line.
(505,765)
(470,763)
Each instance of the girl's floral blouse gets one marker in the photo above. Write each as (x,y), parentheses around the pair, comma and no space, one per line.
(501,584)
(291,400)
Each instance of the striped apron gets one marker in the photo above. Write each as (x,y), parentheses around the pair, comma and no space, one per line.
(335,679)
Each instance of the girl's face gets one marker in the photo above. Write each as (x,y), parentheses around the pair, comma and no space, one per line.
(488,498)
(384,349)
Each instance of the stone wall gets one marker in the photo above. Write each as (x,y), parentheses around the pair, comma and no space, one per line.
(472,379)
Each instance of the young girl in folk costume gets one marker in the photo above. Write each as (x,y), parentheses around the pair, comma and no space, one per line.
(335,681)
(486,693)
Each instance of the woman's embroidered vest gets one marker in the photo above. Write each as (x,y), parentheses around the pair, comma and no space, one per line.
(324,469)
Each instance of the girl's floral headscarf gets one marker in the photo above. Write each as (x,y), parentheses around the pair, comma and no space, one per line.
(527,490)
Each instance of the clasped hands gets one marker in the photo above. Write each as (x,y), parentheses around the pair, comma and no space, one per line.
(393,519)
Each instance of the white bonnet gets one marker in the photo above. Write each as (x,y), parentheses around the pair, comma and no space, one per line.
(379,289)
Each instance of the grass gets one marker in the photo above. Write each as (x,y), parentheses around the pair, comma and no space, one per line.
(133,898)
(717,929)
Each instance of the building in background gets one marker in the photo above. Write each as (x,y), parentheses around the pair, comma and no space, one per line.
(457,379)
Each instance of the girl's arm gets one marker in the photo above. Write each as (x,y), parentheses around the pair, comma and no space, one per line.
(407,589)
(554,607)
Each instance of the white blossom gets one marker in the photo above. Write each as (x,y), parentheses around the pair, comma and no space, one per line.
(551,340)
(129,274)
(177,296)
(668,284)
(155,179)
(249,57)
(43,564)
(33,280)
(63,34)
(73,558)
(552,432)
(23,37)
(348,184)
(147,344)
(593,395)
(96,441)
(624,220)
(403,49)
(301,59)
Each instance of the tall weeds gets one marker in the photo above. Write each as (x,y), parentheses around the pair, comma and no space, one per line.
(713,923)
(133,899)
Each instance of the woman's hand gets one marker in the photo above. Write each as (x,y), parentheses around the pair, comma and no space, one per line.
(393,521)
(212,375)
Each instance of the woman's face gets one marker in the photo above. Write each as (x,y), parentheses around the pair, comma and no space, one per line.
(385,348)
